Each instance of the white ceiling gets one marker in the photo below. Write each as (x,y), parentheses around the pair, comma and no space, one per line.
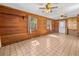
(67,9)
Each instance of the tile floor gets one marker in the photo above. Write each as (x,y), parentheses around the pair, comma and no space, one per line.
(48,45)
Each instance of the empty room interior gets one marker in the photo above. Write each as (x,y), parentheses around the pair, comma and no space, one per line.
(39,29)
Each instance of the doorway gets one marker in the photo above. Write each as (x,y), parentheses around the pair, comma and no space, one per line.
(62,26)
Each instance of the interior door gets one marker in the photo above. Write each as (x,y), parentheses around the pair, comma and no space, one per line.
(56,26)
(62,26)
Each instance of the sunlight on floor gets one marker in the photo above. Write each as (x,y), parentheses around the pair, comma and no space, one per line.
(35,43)
(51,35)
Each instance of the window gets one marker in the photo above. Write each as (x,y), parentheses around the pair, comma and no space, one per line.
(72,23)
(49,25)
(32,23)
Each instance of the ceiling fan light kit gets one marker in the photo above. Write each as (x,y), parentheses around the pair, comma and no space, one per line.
(48,8)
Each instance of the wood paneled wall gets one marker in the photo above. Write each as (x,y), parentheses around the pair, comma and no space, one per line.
(14,25)
(42,26)
(78,26)
(12,28)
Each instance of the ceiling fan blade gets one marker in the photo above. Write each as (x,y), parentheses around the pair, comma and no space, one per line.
(42,8)
(54,7)
(40,4)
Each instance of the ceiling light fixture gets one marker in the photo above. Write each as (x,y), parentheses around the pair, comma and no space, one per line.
(48,7)
(63,17)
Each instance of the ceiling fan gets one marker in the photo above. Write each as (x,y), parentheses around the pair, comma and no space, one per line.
(48,7)
(63,16)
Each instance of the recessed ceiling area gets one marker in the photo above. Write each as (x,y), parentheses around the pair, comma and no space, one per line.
(67,9)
